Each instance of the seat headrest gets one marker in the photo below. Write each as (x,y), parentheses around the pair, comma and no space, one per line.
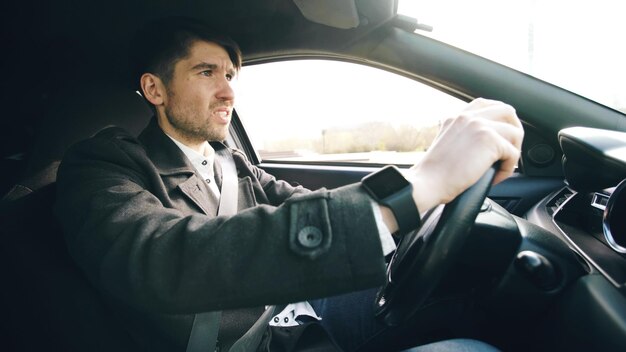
(80,112)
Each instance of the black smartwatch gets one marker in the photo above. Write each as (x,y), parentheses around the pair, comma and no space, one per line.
(390,188)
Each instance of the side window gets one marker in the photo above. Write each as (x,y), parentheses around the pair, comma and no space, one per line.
(338,112)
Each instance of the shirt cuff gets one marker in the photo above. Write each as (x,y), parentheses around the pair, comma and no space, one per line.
(386,240)
(289,315)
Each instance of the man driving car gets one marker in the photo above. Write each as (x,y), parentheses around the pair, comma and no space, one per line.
(173,223)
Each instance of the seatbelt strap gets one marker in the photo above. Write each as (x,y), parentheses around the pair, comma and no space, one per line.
(230,182)
(204,332)
(252,338)
(205,327)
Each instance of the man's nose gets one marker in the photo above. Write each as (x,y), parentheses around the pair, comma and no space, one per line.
(225,90)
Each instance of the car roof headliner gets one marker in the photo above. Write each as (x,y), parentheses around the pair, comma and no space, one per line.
(59,44)
(97,30)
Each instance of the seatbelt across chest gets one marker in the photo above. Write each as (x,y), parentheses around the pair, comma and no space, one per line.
(203,335)
(230,182)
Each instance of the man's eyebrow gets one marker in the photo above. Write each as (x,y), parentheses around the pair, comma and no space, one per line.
(204,65)
(208,66)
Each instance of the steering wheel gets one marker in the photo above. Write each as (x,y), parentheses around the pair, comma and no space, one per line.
(424,256)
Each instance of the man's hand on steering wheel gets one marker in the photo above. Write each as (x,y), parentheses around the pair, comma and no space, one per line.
(479,147)
(486,131)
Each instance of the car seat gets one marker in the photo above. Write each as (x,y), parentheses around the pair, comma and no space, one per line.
(47,302)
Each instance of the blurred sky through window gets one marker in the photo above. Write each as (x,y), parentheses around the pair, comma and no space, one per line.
(574,44)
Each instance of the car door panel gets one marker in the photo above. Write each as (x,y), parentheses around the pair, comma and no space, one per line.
(517,194)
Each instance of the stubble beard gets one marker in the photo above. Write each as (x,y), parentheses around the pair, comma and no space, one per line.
(192,126)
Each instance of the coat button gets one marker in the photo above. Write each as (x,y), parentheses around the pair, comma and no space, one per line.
(310,237)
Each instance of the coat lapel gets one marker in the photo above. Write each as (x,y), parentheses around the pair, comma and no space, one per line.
(195,189)
(175,169)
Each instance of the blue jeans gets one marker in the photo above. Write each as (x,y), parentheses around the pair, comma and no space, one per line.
(350,320)
(457,345)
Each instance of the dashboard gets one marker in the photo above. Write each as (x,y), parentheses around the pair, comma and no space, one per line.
(590,212)
(594,223)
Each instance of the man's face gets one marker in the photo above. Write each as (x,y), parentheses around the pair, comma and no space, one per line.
(199,97)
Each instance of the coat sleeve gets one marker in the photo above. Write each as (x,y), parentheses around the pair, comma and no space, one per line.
(153,257)
(275,191)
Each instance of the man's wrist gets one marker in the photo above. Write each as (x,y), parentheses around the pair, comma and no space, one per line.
(388,218)
(426,194)
(390,188)
(384,232)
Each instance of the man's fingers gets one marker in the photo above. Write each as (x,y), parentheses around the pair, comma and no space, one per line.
(496,112)
(510,129)
(503,140)
(509,155)
(480,103)
(496,128)
(485,132)
(512,134)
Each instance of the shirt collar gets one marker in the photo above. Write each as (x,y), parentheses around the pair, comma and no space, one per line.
(203,161)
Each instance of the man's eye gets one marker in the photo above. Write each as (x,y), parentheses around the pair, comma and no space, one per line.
(207,73)
(229,77)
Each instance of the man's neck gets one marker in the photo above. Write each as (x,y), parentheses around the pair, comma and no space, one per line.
(205,150)
(199,146)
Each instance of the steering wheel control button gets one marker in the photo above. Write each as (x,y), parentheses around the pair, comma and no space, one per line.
(310,237)
(537,269)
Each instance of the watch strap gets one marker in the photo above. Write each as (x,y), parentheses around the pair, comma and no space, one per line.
(404,209)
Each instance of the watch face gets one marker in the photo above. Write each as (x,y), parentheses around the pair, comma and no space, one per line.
(385,182)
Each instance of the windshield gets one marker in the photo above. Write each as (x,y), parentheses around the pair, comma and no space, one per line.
(577,45)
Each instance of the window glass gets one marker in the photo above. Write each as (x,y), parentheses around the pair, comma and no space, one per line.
(331,111)
(575,44)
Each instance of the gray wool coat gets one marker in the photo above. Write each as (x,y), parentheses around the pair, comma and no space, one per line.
(141,223)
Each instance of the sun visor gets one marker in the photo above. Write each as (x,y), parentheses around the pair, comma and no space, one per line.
(335,13)
(346,14)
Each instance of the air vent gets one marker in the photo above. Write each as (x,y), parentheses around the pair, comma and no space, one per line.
(558,200)
(599,201)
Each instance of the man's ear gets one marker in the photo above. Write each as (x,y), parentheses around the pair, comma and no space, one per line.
(153,89)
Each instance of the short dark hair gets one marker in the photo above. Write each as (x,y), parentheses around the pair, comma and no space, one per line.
(160,43)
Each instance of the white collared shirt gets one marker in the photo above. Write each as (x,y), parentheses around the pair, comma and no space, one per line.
(289,316)
(202,162)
